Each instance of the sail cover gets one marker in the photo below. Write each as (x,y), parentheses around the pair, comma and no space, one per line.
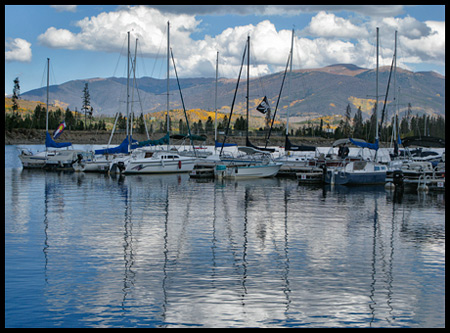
(365,144)
(219,144)
(52,144)
(122,148)
(162,141)
(289,146)
(423,141)
(187,136)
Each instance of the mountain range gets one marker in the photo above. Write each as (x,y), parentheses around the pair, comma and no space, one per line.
(309,93)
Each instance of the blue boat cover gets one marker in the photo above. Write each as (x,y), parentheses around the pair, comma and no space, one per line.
(122,148)
(365,144)
(52,144)
(218,144)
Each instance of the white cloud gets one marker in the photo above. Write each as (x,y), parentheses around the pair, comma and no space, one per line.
(18,50)
(429,47)
(330,25)
(327,40)
(106,32)
(368,10)
(408,27)
(418,42)
(60,38)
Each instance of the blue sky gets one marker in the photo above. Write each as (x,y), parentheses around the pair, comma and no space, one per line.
(89,41)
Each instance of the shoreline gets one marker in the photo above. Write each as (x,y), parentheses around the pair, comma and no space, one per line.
(34,136)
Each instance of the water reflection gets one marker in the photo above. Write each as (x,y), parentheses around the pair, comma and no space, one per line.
(167,251)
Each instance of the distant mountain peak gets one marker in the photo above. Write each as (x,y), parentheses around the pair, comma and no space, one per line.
(343,69)
(347,66)
(320,91)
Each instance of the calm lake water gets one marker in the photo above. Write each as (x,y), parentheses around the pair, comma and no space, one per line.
(91,250)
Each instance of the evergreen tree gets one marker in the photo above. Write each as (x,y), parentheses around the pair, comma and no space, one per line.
(358,125)
(370,126)
(140,125)
(69,118)
(15,96)
(200,127)
(86,102)
(209,126)
(182,129)
(346,130)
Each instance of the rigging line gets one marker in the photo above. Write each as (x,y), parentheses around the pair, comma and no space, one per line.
(234,99)
(278,100)
(52,75)
(135,85)
(158,54)
(256,69)
(120,55)
(141,55)
(44,76)
(182,101)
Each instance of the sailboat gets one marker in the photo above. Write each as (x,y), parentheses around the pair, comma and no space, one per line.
(255,162)
(49,159)
(146,160)
(292,162)
(361,172)
(107,159)
(247,140)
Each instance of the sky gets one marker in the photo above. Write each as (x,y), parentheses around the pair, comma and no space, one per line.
(89,41)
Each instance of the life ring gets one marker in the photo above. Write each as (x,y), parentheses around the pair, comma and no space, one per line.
(179,164)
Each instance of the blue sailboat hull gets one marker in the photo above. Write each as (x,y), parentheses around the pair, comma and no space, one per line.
(346,178)
(357,173)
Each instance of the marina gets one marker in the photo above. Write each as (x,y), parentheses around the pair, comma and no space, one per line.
(285,179)
(110,250)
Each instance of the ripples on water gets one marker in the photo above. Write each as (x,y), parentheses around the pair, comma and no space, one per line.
(88,250)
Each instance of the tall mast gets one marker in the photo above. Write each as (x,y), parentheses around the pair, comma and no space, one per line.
(215,98)
(128,89)
(48,72)
(132,91)
(289,87)
(248,84)
(168,75)
(376,93)
(394,128)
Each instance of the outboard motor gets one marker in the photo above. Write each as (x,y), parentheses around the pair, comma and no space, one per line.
(397,178)
(121,166)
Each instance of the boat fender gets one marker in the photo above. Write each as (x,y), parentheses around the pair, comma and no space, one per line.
(179,164)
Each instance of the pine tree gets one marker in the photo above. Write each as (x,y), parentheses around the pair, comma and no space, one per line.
(347,119)
(15,96)
(358,125)
(86,103)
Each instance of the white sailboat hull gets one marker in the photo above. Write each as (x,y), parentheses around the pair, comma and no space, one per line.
(251,171)
(155,166)
(33,161)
